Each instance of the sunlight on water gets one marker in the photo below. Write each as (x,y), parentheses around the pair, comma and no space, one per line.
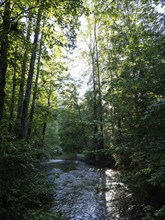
(85,192)
(55,161)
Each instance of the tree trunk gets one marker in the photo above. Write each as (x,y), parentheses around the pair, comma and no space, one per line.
(95,128)
(24,68)
(12,101)
(100,107)
(3,54)
(83,130)
(44,130)
(45,124)
(26,101)
(35,90)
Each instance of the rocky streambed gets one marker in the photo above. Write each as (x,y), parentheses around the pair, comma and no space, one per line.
(87,192)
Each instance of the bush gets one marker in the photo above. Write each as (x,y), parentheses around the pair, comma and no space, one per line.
(40,215)
(23,186)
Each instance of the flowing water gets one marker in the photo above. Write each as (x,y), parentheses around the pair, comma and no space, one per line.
(84,192)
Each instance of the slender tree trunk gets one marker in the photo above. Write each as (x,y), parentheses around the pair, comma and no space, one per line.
(119,131)
(23,73)
(45,124)
(3,54)
(44,130)
(83,130)
(35,90)
(100,107)
(12,101)
(95,129)
(26,101)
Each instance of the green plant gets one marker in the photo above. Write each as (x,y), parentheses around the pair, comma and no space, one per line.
(23,185)
(41,215)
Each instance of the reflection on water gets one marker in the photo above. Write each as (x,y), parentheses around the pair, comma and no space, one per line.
(55,161)
(88,193)
(63,165)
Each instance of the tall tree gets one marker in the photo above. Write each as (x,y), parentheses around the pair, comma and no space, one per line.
(12,102)
(23,127)
(35,88)
(100,107)
(4,43)
(95,129)
(24,69)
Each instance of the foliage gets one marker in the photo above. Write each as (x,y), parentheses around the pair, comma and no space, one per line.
(151,215)
(41,215)
(130,41)
(70,131)
(23,186)
(34,38)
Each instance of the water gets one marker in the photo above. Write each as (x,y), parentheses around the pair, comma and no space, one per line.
(83,192)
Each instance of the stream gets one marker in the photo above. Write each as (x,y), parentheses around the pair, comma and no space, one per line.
(84,192)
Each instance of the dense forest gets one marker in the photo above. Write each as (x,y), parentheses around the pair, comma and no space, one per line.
(120,118)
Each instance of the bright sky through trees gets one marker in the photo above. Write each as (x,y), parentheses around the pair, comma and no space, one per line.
(79,68)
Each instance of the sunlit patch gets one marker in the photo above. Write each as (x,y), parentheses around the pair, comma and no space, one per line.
(55,161)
